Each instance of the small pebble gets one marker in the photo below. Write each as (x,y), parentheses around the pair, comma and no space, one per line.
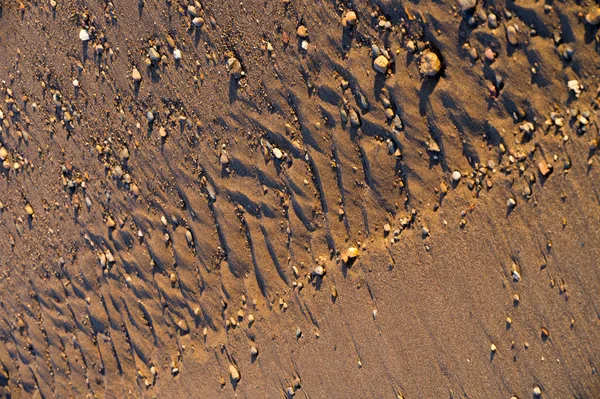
(511,35)
(352,252)
(456,175)
(302,32)
(351,18)
(466,5)
(135,75)
(381,64)
(593,17)
(84,36)
(430,64)
(234,373)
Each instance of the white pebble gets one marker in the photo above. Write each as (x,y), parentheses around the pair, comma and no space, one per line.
(84,36)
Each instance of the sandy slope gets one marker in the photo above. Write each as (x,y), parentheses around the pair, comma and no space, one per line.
(152,246)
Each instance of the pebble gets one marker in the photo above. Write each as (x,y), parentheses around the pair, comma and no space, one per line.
(544,168)
(466,5)
(593,17)
(235,67)
(492,20)
(150,117)
(136,75)
(493,348)
(511,203)
(153,54)
(302,31)
(198,22)
(29,209)
(277,153)
(253,351)
(511,35)
(381,64)
(319,270)
(351,18)
(234,373)
(456,175)
(489,54)
(354,118)
(183,326)
(84,36)
(177,54)
(537,392)
(430,64)
(3,153)
(352,252)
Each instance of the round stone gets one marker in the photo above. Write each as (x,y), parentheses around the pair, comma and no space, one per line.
(198,22)
(430,64)
(351,18)
(456,175)
(302,31)
(352,252)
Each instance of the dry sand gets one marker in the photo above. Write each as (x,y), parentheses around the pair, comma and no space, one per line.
(206,254)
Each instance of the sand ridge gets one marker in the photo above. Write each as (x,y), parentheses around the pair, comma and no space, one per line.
(183,181)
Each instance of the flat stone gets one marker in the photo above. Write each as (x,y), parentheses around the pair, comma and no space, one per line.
(544,168)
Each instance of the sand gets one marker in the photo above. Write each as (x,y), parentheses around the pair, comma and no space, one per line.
(181,228)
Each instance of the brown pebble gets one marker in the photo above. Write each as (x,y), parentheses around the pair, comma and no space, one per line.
(302,31)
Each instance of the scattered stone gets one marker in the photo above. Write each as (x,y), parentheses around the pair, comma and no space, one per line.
(302,32)
(235,67)
(575,87)
(493,348)
(466,5)
(545,333)
(153,54)
(136,75)
(3,153)
(593,17)
(29,210)
(537,392)
(354,118)
(511,35)
(352,252)
(381,64)
(511,203)
(430,64)
(253,351)
(351,18)
(492,20)
(177,54)
(183,326)
(234,373)
(198,22)
(456,175)
(544,168)
(277,153)
(84,36)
